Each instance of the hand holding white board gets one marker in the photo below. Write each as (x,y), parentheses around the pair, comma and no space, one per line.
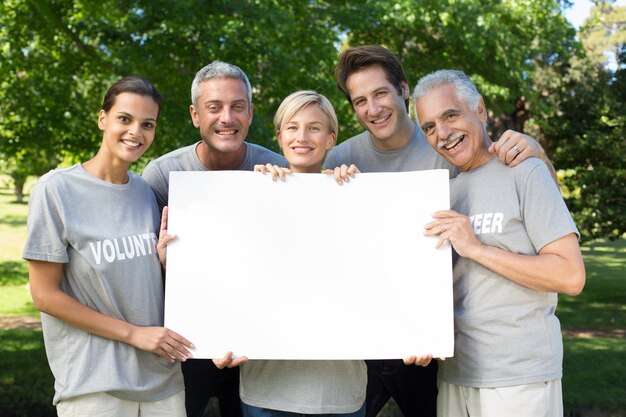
(308,269)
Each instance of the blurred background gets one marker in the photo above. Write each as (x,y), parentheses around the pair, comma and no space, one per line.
(554,69)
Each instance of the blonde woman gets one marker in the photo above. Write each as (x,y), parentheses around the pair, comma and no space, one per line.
(306,129)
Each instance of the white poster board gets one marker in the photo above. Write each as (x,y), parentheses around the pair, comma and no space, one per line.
(309,269)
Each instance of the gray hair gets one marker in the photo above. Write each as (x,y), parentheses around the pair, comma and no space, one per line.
(465,88)
(218,69)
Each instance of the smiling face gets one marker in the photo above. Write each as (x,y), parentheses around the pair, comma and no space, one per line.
(223,114)
(380,108)
(306,138)
(453,128)
(128,127)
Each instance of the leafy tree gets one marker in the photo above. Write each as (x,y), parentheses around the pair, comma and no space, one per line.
(579,113)
(46,87)
(495,42)
(523,55)
(604,32)
(78,48)
(582,123)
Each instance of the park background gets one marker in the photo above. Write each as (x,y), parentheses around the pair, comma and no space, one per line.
(539,74)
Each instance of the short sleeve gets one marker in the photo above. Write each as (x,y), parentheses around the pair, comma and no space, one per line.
(159,183)
(544,212)
(46,239)
(331,159)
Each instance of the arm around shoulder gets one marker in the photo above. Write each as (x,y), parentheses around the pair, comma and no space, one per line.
(514,147)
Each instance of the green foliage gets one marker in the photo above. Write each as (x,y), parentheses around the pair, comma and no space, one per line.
(13,273)
(80,47)
(494,42)
(54,73)
(582,122)
(604,31)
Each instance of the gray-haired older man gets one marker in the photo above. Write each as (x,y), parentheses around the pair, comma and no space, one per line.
(221,109)
(374,83)
(517,247)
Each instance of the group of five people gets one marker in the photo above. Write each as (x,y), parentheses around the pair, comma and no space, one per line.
(97,245)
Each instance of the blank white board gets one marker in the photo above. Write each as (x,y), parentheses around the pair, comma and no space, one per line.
(309,269)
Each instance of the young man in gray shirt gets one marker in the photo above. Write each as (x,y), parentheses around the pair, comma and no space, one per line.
(373,81)
(221,109)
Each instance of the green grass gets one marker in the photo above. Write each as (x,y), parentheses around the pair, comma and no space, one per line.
(26,383)
(16,300)
(602,304)
(595,374)
(14,294)
(13,269)
(594,369)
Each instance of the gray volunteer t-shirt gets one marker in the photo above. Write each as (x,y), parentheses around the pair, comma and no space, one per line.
(506,334)
(416,155)
(304,387)
(157,172)
(105,236)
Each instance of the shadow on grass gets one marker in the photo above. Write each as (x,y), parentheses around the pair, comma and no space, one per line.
(594,373)
(13,220)
(13,272)
(602,304)
(26,383)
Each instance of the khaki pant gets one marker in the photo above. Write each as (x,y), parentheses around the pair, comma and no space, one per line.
(104,405)
(542,399)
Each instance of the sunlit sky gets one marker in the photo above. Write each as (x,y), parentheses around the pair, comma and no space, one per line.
(577,15)
(580,10)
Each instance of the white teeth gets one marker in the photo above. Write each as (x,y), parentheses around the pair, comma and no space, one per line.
(301,149)
(451,142)
(382,119)
(131,143)
(226,132)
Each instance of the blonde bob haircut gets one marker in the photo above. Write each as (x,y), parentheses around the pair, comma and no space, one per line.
(295,102)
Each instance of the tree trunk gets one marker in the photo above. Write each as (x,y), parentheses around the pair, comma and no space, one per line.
(514,120)
(18,188)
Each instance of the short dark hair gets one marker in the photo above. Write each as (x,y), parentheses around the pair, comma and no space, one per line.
(131,84)
(362,57)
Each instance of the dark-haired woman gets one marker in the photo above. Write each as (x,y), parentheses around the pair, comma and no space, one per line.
(95,272)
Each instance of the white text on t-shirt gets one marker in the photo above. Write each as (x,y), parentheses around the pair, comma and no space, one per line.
(126,247)
(487,222)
